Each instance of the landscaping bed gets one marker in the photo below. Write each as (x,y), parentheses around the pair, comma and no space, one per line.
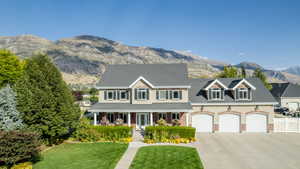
(82,156)
(166,157)
(169,134)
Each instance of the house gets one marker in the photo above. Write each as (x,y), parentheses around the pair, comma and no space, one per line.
(287,95)
(141,94)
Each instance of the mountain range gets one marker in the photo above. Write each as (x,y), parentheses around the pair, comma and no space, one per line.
(82,59)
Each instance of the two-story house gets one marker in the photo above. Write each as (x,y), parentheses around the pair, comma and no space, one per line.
(141,94)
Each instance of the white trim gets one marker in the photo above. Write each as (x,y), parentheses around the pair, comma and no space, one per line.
(141,78)
(216,81)
(244,81)
(139,111)
(228,104)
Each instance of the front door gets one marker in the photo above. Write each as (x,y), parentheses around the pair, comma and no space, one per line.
(142,120)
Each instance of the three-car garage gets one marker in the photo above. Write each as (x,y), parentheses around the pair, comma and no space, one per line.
(230,123)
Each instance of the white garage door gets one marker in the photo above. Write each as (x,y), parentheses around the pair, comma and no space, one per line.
(202,122)
(293,106)
(256,123)
(229,123)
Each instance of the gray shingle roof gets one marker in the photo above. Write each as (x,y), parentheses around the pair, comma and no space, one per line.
(127,107)
(198,95)
(285,90)
(156,74)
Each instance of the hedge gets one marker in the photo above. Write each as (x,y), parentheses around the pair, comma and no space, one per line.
(104,133)
(160,133)
(18,146)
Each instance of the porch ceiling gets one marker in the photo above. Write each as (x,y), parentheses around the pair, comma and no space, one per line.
(127,107)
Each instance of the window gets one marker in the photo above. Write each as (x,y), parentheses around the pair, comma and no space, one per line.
(110,95)
(176,94)
(162,95)
(110,117)
(162,116)
(216,94)
(116,95)
(243,94)
(169,94)
(175,116)
(123,95)
(141,94)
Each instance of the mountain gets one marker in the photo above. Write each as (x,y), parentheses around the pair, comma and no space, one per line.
(82,59)
(249,65)
(295,70)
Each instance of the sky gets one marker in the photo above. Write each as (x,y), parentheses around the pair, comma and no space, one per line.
(263,31)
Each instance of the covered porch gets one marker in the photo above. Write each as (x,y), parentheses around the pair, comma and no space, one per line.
(140,115)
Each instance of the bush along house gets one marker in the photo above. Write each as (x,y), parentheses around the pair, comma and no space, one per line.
(139,95)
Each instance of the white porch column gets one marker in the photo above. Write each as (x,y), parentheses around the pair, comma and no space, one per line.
(151,118)
(129,119)
(95,118)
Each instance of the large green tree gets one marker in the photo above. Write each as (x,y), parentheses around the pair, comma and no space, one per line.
(10,68)
(45,100)
(10,117)
(229,72)
(259,74)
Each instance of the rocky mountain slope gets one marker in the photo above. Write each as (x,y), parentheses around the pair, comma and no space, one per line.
(295,70)
(82,59)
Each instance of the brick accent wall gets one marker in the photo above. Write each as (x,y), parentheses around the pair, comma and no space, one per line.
(216,128)
(182,118)
(270,128)
(133,118)
(243,127)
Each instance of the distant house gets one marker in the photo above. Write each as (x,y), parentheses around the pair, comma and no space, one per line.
(287,95)
(141,94)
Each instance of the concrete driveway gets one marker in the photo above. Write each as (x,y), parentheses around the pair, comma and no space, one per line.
(249,151)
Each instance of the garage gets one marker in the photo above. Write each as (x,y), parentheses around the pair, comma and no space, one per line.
(229,123)
(293,106)
(202,122)
(256,123)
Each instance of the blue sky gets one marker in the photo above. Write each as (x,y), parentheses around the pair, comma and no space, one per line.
(263,31)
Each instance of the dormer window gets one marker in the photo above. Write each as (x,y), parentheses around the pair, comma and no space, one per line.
(243,94)
(216,94)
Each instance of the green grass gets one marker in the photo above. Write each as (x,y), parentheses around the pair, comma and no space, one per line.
(166,157)
(82,156)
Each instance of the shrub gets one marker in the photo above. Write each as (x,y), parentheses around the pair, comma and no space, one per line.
(161,122)
(27,165)
(169,133)
(18,146)
(103,133)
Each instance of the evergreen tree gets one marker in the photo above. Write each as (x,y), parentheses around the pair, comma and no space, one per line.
(229,72)
(45,100)
(10,68)
(244,73)
(10,117)
(259,74)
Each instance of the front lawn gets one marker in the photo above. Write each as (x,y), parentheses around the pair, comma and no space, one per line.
(166,157)
(82,156)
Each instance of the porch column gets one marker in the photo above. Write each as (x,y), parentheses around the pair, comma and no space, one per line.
(128,119)
(95,118)
(151,118)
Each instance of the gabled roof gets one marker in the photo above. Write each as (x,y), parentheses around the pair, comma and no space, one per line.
(285,90)
(211,83)
(241,82)
(158,75)
(198,94)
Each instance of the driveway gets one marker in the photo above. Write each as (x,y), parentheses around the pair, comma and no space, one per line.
(250,151)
